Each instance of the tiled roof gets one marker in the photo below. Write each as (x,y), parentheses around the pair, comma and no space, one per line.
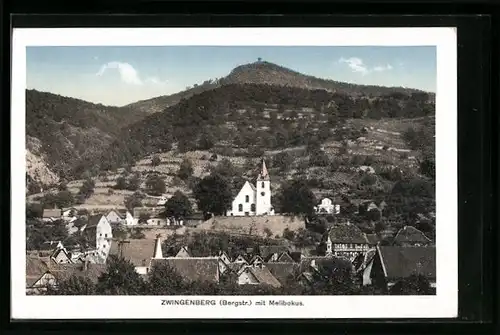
(264,276)
(372,238)
(193,268)
(93,221)
(347,233)
(267,250)
(138,252)
(283,270)
(51,213)
(410,234)
(401,262)
(305,262)
(65,271)
(35,268)
(285,257)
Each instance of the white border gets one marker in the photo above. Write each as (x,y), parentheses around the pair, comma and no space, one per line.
(444,304)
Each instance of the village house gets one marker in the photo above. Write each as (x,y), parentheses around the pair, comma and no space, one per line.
(285,272)
(158,222)
(99,228)
(123,216)
(138,252)
(390,264)
(327,207)
(254,200)
(346,241)
(224,262)
(51,215)
(409,236)
(268,252)
(61,256)
(253,275)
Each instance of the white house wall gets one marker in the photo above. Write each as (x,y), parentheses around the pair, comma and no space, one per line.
(241,198)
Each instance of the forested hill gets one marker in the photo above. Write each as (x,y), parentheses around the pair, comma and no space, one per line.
(269,73)
(72,130)
(255,116)
(272,74)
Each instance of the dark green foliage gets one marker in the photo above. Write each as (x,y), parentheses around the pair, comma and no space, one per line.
(134,182)
(74,285)
(213,194)
(137,234)
(121,183)
(283,161)
(87,188)
(155,185)
(185,169)
(178,206)
(413,285)
(34,210)
(120,278)
(134,200)
(38,233)
(155,161)
(297,198)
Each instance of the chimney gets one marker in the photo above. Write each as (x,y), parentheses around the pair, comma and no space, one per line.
(158,253)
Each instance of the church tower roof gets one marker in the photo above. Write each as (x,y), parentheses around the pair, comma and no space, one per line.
(263,175)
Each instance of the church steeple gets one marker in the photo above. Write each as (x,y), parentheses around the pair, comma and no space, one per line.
(263,175)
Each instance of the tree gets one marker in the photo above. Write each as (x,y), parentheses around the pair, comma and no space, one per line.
(164,280)
(213,194)
(34,210)
(155,185)
(206,141)
(121,183)
(120,278)
(134,182)
(297,198)
(373,215)
(319,158)
(143,218)
(288,234)
(87,188)
(155,161)
(268,232)
(64,199)
(413,285)
(74,285)
(185,169)
(134,200)
(283,160)
(178,206)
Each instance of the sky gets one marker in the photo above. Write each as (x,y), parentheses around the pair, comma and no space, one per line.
(121,75)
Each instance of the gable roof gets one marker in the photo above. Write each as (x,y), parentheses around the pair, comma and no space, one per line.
(35,268)
(347,233)
(66,271)
(400,262)
(193,268)
(372,238)
(59,250)
(264,276)
(410,234)
(119,214)
(285,257)
(93,221)
(185,250)
(138,252)
(267,250)
(283,270)
(305,262)
(51,213)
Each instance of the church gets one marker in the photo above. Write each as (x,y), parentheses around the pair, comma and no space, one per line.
(254,199)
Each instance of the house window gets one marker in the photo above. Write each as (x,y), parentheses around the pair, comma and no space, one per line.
(247,198)
(252,207)
(240,207)
(263,193)
(262,184)
(105,235)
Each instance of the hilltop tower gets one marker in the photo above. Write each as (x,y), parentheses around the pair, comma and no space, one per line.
(263,192)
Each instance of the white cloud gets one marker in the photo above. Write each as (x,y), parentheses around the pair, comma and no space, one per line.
(357,65)
(382,68)
(127,72)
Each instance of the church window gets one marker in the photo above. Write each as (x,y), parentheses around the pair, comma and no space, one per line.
(247,198)
(252,207)
(105,235)
(263,193)
(262,185)
(240,207)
